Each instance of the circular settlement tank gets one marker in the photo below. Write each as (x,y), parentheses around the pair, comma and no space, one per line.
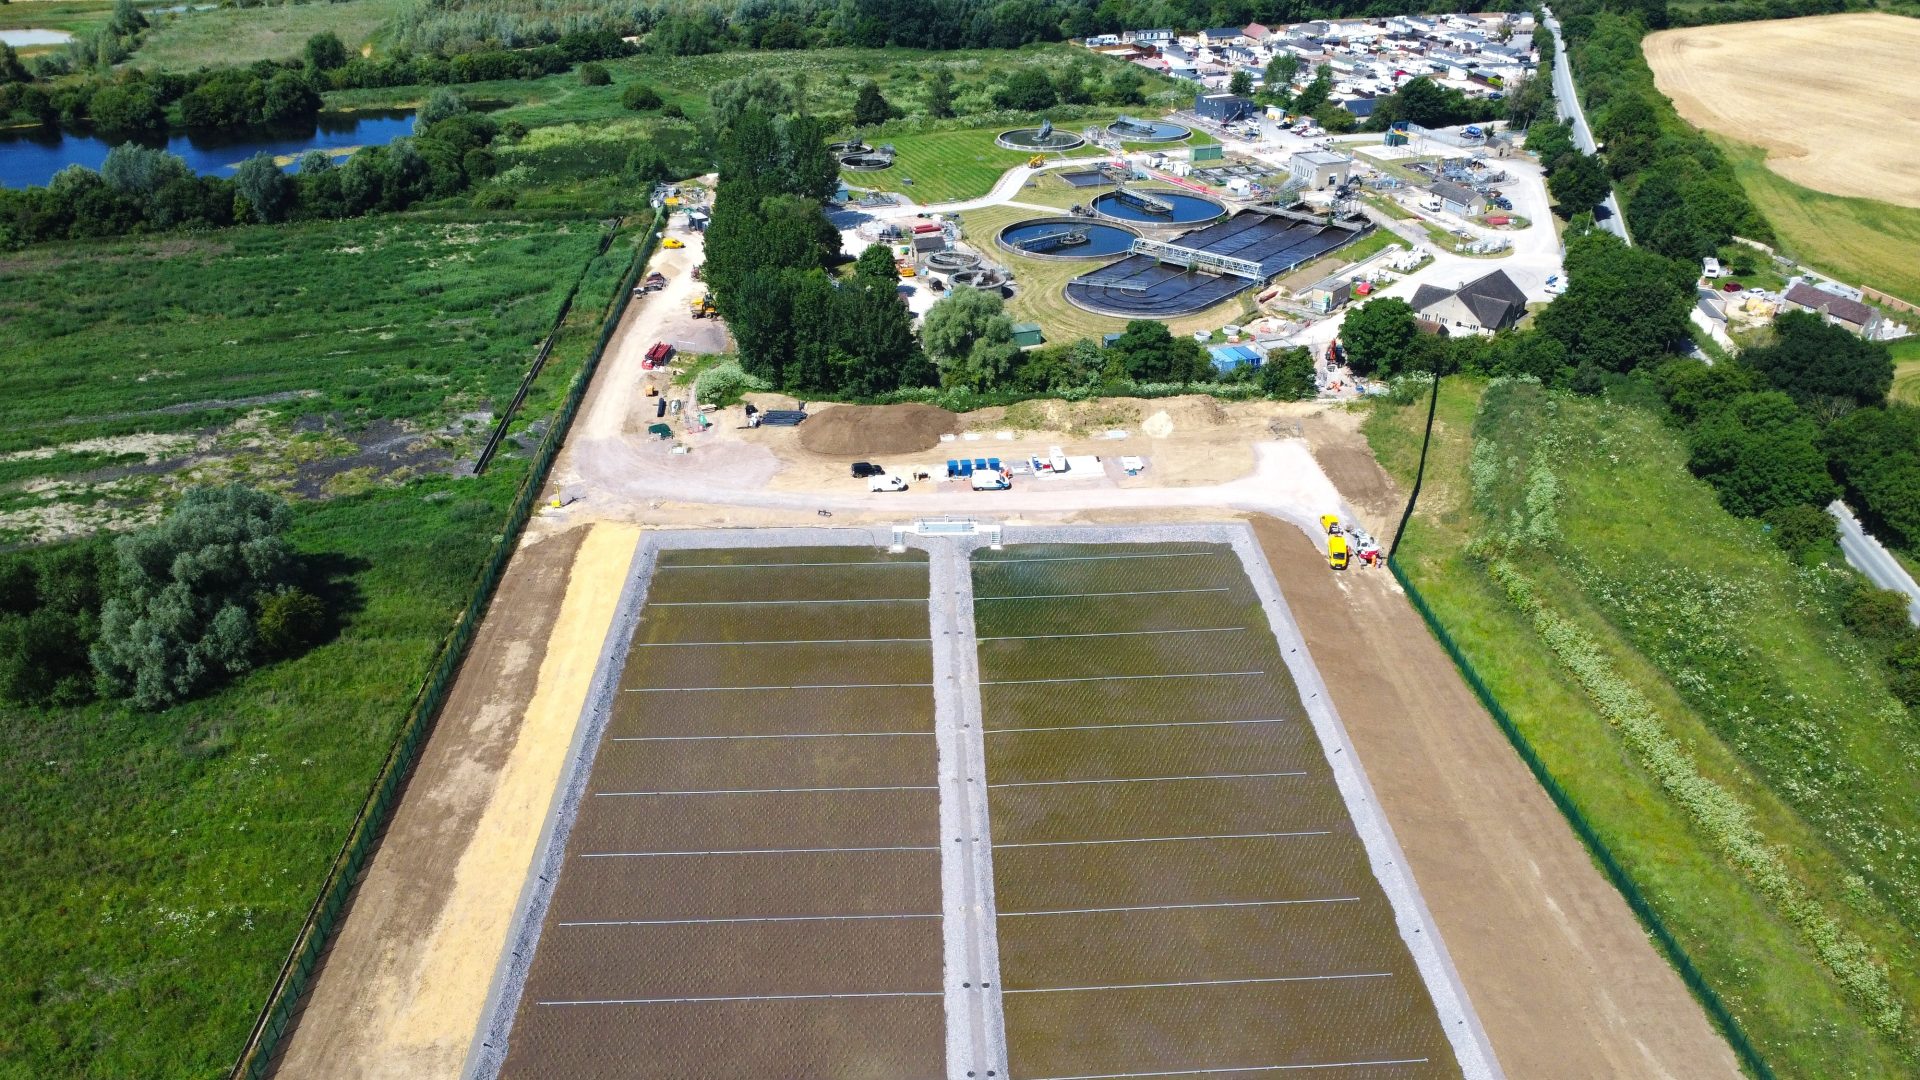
(984,278)
(1066,238)
(1132,129)
(867,160)
(949,261)
(851,146)
(1185,209)
(1044,138)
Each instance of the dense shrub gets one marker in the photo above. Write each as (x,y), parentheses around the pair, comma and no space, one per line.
(179,616)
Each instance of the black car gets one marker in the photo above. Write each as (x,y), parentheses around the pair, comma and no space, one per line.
(864,469)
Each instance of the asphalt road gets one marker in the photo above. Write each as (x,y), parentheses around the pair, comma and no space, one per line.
(1570,109)
(1865,554)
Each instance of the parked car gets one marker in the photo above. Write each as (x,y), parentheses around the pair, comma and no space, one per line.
(864,469)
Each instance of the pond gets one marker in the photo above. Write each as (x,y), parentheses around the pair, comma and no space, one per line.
(29,158)
(27,39)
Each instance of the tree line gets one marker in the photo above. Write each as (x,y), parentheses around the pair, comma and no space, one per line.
(138,189)
(131,101)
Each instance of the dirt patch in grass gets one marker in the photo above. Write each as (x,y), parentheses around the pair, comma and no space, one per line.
(859,430)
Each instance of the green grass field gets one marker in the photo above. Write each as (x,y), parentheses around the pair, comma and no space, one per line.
(241,35)
(1860,241)
(163,862)
(963,163)
(1906,371)
(1697,623)
(74,16)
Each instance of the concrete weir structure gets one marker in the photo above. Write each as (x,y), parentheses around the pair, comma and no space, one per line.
(748,872)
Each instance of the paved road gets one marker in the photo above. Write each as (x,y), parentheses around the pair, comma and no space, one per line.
(1865,554)
(1569,100)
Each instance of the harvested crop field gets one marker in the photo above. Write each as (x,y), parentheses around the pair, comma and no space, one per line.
(752,885)
(1833,99)
(859,430)
(1180,888)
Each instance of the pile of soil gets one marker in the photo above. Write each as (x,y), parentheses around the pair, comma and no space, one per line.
(869,430)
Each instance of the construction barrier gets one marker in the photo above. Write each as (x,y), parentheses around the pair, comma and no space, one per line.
(256,1058)
(1743,1048)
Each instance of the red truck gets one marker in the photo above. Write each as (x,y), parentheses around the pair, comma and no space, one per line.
(657,356)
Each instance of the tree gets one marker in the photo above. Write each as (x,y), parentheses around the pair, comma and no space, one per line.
(1875,452)
(180,614)
(49,618)
(267,190)
(640,97)
(1874,612)
(127,109)
(1821,366)
(1316,92)
(1578,183)
(595,75)
(1378,334)
(1758,453)
(325,51)
(1147,352)
(1547,139)
(871,108)
(1241,83)
(1028,90)
(11,69)
(966,315)
(132,169)
(1280,72)
(1623,306)
(127,20)
(1806,533)
(1126,87)
(290,620)
(440,105)
(1288,375)
(940,94)
(876,263)
(761,91)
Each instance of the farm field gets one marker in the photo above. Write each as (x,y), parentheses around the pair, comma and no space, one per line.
(1812,953)
(1906,371)
(164,861)
(1174,868)
(317,358)
(1751,82)
(1861,241)
(752,885)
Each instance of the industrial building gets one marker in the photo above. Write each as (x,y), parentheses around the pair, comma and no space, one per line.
(1223,108)
(1317,169)
(1194,271)
(1482,306)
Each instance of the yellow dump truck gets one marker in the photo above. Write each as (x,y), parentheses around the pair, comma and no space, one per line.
(700,307)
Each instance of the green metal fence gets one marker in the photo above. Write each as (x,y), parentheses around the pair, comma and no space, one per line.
(1743,1047)
(256,1058)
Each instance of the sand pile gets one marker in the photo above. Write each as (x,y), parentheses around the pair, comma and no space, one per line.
(864,430)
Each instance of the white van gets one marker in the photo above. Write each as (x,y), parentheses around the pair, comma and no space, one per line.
(886,482)
(1710,268)
(987,480)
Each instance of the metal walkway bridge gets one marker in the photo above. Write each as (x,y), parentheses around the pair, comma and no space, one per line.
(1196,259)
(1142,200)
(1068,236)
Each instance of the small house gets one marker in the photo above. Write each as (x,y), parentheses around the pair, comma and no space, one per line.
(1838,310)
(1222,35)
(1483,305)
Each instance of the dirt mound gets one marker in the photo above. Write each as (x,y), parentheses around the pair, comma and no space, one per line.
(866,430)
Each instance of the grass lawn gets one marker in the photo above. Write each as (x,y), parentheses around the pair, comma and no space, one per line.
(1741,659)
(241,35)
(74,16)
(963,163)
(1859,241)
(1040,299)
(163,862)
(1906,370)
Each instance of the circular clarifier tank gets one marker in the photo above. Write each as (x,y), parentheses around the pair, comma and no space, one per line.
(1066,238)
(1043,139)
(1130,129)
(1156,207)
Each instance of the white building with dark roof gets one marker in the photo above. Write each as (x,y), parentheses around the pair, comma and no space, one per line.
(1482,306)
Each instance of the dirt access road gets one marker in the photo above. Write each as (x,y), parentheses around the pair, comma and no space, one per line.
(1763,83)
(1560,973)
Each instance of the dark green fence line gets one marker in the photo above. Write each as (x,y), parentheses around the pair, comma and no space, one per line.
(1743,1047)
(256,1058)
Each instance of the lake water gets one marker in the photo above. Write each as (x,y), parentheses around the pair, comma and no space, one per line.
(30,158)
(26,39)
